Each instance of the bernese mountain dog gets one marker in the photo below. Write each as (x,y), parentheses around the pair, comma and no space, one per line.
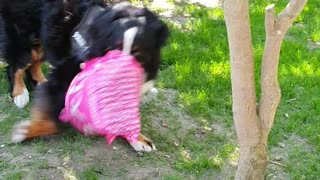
(69,32)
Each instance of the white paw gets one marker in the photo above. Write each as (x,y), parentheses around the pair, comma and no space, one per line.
(153,92)
(20,131)
(21,100)
(141,146)
(146,86)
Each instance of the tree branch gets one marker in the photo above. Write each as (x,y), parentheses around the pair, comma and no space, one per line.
(270,19)
(277,163)
(276,28)
(290,13)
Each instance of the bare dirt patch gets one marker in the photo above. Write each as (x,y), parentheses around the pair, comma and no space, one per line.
(171,112)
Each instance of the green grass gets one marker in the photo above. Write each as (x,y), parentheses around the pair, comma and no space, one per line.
(196,65)
(90,174)
(14,176)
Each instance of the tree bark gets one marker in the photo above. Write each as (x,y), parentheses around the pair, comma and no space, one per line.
(253,162)
(252,126)
(276,28)
(242,71)
(253,153)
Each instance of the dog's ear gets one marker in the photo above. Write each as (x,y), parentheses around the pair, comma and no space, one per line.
(159,27)
(80,36)
(163,33)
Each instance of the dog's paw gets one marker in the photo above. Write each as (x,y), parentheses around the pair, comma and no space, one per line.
(21,100)
(20,131)
(143,144)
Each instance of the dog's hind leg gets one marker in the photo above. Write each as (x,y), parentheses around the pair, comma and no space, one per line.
(36,64)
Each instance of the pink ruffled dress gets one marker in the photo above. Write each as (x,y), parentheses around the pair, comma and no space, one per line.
(104,98)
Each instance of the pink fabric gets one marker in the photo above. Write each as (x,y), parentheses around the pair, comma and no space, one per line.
(104,98)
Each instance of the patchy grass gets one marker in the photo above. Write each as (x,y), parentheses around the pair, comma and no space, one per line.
(203,76)
(190,120)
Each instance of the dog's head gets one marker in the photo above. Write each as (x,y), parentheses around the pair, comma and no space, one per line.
(102,29)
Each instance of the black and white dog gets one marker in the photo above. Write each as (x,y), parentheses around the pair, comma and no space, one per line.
(71,32)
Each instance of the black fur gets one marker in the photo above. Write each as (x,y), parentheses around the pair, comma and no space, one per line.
(54,22)
(107,27)
(19,25)
(3,37)
(59,19)
(19,22)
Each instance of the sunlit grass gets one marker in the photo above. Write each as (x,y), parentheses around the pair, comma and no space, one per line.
(201,73)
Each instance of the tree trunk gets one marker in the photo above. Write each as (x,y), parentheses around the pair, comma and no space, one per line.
(252,126)
(253,153)
(253,162)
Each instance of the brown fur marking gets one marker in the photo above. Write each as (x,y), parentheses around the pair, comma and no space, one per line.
(35,68)
(41,124)
(145,140)
(41,128)
(19,84)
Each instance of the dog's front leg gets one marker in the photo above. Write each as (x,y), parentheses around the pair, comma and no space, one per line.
(42,121)
(40,125)
(143,144)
